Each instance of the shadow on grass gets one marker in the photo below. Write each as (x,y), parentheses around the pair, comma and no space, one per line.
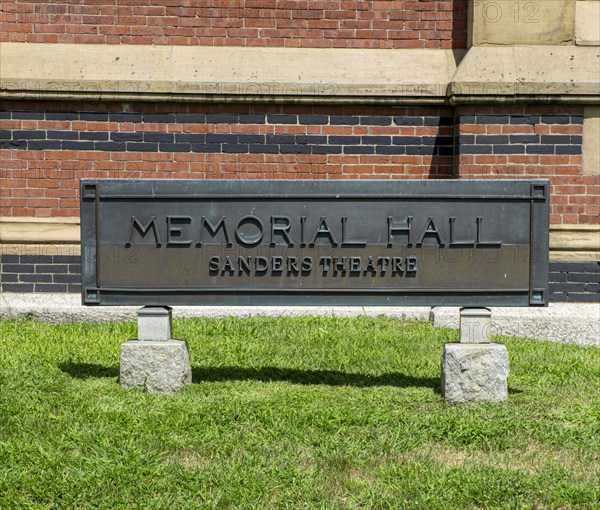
(270,374)
(308,377)
(88,370)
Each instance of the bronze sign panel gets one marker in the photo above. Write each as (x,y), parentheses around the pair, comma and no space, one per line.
(193,242)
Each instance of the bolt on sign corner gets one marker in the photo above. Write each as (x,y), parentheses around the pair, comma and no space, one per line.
(296,242)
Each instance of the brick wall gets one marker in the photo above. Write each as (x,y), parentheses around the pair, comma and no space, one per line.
(44,153)
(293,23)
(40,273)
(531,142)
(575,282)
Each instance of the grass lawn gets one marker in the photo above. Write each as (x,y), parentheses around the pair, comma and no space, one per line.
(306,412)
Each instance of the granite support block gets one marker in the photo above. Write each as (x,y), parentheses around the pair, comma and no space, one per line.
(475,373)
(157,367)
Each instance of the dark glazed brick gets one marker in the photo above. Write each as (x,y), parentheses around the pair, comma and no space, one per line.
(5,134)
(327,149)
(17,268)
(62,116)
(559,297)
(50,287)
(125,117)
(75,268)
(206,147)
(555,139)
(237,148)
(74,288)
(66,259)
(594,288)
(359,149)
(376,121)
(444,150)
(524,119)
(251,138)
(407,140)
(221,118)
(409,121)
(540,149)
(51,268)
(282,119)
(189,137)
(576,140)
(310,139)
(556,119)
(344,140)
(41,145)
(10,258)
(77,146)
(281,139)
(174,147)
(35,278)
(313,119)
(159,117)
(26,115)
(294,149)
(390,149)
(491,139)
(567,287)
(159,137)
(126,136)
(196,118)
(29,134)
(583,298)
(574,150)
(220,138)
(17,287)
(376,140)
(109,146)
(13,144)
(37,259)
(583,277)
(252,119)
(264,149)
(466,139)
(509,149)
(343,120)
(9,278)
(142,146)
(524,138)
(467,119)
(63,135)
(67,278)
(557,277)
(93,135)
(420,150)
(94,116)
(7,115)
(493,119)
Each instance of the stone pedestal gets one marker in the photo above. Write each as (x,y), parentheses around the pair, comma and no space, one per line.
(475,325)
(475,373)
(154,361)
(475,370)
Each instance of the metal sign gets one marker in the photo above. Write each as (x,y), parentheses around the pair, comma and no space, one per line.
(194,242)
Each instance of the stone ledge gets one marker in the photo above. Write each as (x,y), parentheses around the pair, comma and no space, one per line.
(180,73)
(511,74)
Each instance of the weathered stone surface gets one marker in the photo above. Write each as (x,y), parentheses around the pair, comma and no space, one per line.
(158,366)
(155,323)
(475,373)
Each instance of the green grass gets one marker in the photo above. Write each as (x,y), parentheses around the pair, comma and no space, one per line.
(292,413)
